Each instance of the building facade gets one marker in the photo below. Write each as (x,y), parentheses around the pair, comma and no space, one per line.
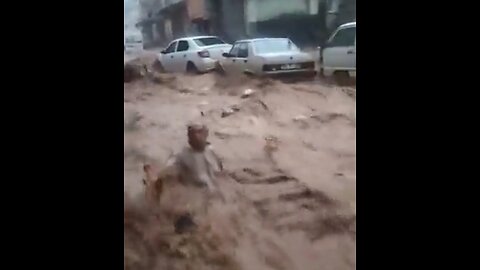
(306,22)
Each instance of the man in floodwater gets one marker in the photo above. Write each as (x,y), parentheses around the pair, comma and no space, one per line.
(197,163)
(196,167)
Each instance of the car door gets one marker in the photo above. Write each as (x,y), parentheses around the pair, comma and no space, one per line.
(340,52)
(229,62)
(181,56)
(168,58)
(241,61)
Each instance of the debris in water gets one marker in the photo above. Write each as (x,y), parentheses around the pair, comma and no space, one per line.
(131,72)
(263,104)
(186,91)
(230,110)
(235,108)
(227,112)
(247,93)
(272,143)
(161,78)
(157,66)
(302,120)
(184,223)
(132,120)
(202,106)
(300,117)
(222,135)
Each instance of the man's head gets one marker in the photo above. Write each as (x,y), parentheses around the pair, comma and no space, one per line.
(197,136)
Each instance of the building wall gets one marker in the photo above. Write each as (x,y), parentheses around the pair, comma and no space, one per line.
(268,9)
(233,20)
(131,14)
(196,9)
(176,22)
(339,12)
(239,19)
(284,18)
(148,8)
(261,10)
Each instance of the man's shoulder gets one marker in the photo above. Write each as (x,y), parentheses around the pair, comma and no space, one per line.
(209,150)
(186,150)
(178,156)
(209,147)
(213,158)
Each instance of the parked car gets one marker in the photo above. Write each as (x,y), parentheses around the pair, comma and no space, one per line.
(193,54)
(338,56)
(268,56)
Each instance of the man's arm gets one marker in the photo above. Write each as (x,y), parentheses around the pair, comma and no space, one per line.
(178,168)
(218,166)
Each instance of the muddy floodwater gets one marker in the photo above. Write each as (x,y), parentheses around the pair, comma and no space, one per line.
(289,189)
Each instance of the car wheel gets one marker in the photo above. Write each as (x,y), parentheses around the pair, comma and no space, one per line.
(191,68)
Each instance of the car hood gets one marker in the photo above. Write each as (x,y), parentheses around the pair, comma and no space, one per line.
(286,57)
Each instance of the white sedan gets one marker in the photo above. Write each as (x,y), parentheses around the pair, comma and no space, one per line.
(193,54)
(338,56)
(268,56)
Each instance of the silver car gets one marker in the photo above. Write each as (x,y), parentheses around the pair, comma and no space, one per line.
(268,56)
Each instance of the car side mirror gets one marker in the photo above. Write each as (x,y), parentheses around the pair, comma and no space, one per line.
(226,54)
(163,52)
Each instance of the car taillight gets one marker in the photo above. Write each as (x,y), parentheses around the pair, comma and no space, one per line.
(204,54)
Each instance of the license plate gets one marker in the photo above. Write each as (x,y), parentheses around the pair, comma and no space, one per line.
(290,66)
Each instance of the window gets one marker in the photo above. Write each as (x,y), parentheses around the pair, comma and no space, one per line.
(182,46)
(243,50)
(171,48)
(234,50)
(344,37)
(208,41)
(275,45)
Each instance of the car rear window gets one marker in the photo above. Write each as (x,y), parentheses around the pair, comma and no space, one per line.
(274,46)
(208,41)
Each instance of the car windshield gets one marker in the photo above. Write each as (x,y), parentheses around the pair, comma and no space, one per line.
(208,41)
(274,46)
